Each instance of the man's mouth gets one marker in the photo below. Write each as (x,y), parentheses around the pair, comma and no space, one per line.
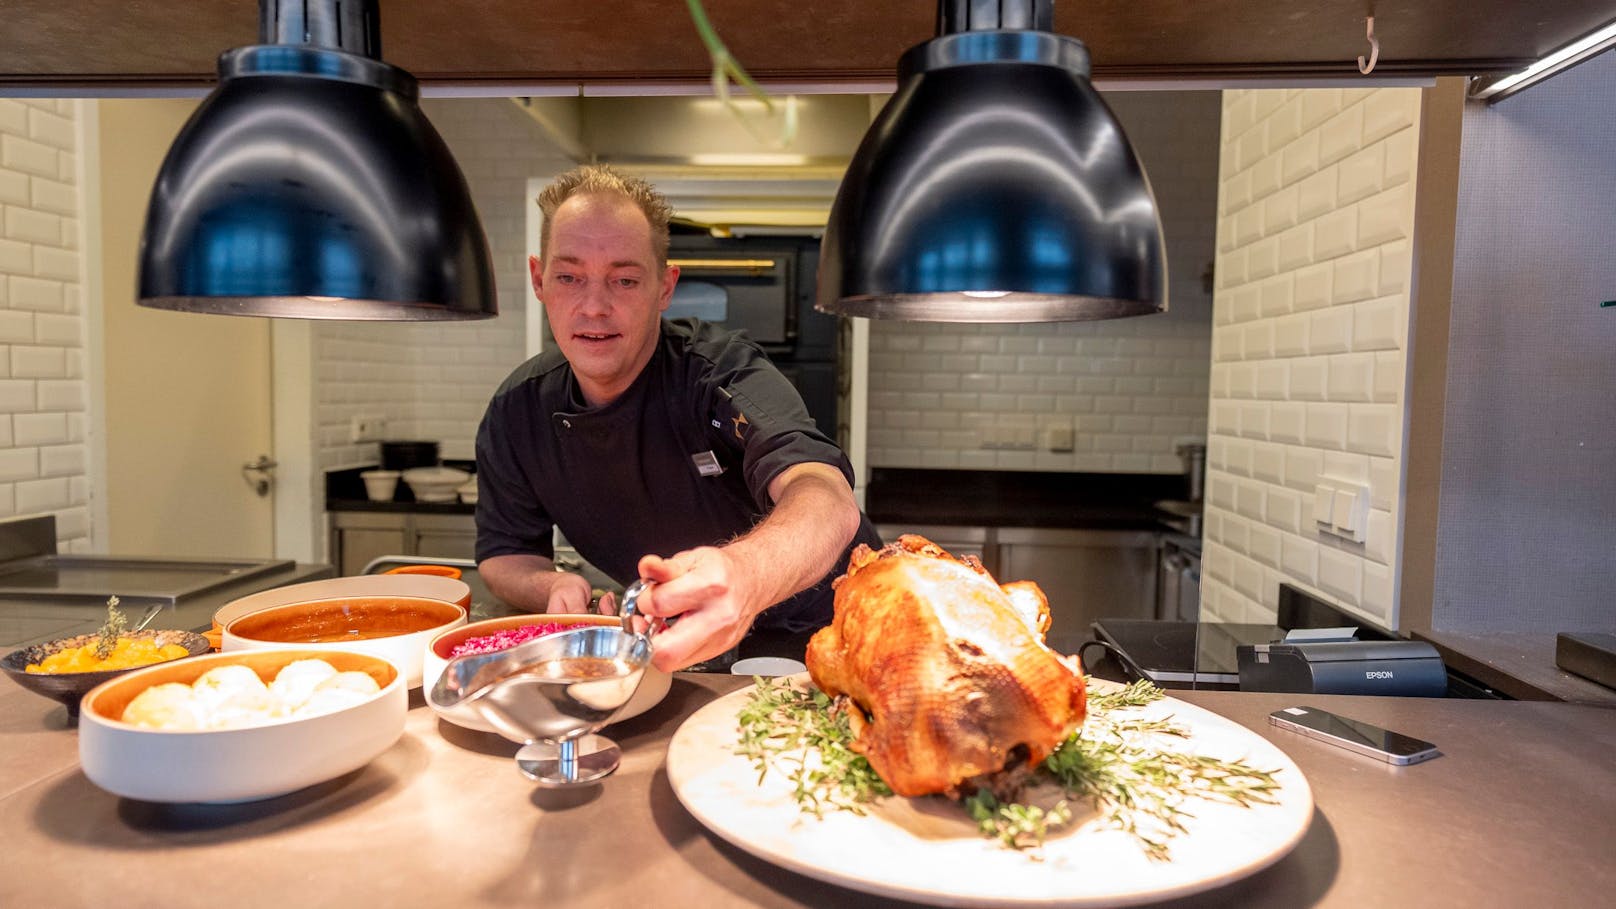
(595,336)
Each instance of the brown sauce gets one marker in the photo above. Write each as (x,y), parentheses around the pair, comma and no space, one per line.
(342,620)
(579,669)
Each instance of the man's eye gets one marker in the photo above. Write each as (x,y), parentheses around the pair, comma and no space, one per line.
(566,279)
(628,283)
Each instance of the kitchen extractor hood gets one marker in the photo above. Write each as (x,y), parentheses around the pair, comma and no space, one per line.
(310,185)
(995,186)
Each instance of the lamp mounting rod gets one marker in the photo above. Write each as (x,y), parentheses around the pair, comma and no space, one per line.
(353,26)
(954,16)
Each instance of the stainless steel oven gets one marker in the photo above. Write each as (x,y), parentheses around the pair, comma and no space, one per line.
(764,285)
(751,289)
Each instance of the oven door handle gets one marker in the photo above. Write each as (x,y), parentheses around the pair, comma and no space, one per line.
(753,266)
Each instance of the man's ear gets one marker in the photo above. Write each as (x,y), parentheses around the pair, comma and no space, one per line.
(535,268)
(670,279)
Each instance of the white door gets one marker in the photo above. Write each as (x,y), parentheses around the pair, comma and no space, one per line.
(186,396)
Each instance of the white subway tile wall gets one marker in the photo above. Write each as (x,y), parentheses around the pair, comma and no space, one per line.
(42,336)
(1126,391)
(1311,318)
(432,380)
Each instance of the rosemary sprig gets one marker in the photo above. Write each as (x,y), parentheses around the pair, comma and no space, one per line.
(805,736)
(1138,694)
(1117,761)
(116,625)
(1140,787)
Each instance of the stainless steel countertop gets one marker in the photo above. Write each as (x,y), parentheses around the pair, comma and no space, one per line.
(1520,810)
(21,620)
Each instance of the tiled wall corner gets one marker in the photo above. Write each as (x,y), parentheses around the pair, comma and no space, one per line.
(1127,391)
(1311,315)
(432,380)
(43,398)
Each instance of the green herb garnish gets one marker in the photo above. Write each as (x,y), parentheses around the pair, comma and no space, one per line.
(1015,825)
(805,736)
(116,625)
(1119,764)
(1116,762)
(1138,694)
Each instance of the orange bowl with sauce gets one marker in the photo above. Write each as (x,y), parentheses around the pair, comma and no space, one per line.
(393,628)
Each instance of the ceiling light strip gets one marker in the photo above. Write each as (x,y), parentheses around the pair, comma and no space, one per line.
(1588,46)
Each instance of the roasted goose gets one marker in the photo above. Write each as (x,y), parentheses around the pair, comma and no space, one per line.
(949,680)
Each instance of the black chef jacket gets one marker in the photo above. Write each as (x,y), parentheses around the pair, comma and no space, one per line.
(681,459)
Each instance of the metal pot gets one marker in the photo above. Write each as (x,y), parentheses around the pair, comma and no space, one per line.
(399,455)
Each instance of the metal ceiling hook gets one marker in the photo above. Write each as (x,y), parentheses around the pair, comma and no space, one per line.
(1374,49)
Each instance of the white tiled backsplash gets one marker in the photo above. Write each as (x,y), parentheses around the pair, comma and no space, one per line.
(432,380)
(1310,326)
(1115,396)
(1111,396)
(43,399)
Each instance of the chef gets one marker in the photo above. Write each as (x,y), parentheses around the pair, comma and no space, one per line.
(669,450)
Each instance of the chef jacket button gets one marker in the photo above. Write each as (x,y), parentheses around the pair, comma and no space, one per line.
(566,424)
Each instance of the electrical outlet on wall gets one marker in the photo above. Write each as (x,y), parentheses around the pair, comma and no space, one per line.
(368,428)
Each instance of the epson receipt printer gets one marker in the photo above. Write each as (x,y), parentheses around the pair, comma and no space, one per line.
(1400,668)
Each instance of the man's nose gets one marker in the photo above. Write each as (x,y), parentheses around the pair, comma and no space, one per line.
(594,301)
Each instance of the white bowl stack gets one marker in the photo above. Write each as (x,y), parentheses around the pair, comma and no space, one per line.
(435,484)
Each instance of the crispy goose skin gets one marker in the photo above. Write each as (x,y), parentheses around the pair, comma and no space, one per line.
(948,670)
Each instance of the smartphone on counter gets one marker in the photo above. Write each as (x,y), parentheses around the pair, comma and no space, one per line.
(1354,735)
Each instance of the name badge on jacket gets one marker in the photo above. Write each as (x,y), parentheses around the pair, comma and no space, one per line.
(707,464)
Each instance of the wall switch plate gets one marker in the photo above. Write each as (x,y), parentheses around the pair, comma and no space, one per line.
(1060,438)
(367,429)
(1323,505)
(1341,508)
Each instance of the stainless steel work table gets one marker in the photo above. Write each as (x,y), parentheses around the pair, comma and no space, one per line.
(1520,811)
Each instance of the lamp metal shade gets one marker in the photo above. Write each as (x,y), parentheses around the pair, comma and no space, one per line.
(310,185)
(995,186)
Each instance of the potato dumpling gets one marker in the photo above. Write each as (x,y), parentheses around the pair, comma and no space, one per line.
(168,706)
(297,680)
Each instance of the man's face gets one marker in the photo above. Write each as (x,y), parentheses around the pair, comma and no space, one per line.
(602,291)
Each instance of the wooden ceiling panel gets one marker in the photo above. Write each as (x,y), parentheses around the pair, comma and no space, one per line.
(134,43)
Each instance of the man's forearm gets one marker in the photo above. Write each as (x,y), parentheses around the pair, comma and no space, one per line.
(813,520)
(522,581)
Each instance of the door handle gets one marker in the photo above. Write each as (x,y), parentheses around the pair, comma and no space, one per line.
(260,474)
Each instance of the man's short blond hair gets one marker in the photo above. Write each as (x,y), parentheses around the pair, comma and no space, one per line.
(599,178)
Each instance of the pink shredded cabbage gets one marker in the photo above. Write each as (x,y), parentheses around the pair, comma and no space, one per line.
(505,640)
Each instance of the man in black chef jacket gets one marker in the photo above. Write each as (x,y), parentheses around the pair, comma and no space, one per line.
(666,450)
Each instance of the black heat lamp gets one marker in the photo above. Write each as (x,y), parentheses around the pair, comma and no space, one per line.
(995,186)
(310,185)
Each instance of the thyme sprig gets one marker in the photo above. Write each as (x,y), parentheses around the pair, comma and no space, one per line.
(114,628)
(1118,761)
(1014,824)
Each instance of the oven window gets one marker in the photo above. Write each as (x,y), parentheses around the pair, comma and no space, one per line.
(702,299)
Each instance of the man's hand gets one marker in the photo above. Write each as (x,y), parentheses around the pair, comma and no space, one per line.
(718,592)
(705,590)
(569,594)
(531,582)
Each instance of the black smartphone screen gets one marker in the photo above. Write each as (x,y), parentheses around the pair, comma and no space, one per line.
(1354,731)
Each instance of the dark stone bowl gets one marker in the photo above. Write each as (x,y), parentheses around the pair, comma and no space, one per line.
(70,687)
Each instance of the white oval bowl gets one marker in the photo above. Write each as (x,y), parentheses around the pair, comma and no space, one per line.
(402,650)
(653,688)
(235,765)
(431,587)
